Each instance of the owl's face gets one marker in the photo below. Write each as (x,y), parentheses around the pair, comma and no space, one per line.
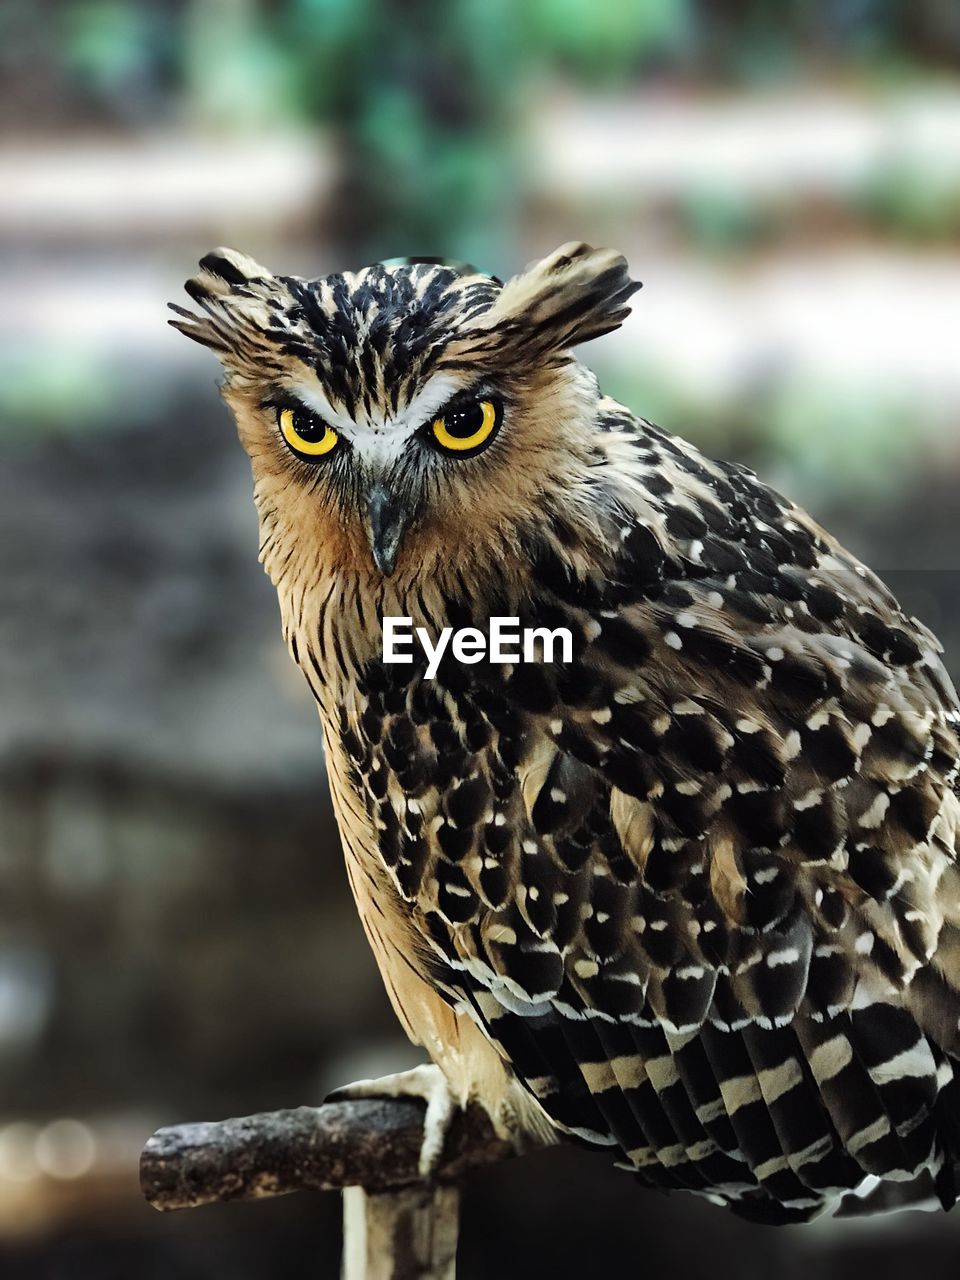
(404,414)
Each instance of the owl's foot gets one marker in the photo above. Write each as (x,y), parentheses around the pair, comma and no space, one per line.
(426,1082)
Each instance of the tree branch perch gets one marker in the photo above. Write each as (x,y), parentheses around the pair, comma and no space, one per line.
(374,1144)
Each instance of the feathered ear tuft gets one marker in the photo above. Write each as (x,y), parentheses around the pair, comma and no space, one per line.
(224,271)
(575,294)
(230,290)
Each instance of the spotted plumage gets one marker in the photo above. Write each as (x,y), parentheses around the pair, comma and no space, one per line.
(691,896)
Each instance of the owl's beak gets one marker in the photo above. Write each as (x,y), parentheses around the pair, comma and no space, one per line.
(386,524)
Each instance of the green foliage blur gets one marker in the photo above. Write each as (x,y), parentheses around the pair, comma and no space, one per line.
(427,96)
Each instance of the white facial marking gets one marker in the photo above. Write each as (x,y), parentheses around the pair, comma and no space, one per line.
(380,441)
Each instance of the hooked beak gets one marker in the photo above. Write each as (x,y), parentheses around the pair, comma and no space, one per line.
(386,524)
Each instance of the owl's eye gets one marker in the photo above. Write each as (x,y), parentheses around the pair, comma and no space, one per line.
(308,436)
(467,428)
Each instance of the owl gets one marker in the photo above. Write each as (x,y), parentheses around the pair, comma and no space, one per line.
(687,893)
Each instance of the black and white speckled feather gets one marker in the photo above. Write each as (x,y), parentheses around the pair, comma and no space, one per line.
(698,886)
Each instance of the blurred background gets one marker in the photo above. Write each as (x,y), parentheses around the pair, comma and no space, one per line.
(176,936)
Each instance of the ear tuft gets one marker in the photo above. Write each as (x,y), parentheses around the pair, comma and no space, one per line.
(222,272)
(229,289)
(575,294)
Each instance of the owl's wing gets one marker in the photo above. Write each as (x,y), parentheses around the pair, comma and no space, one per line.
(699,884)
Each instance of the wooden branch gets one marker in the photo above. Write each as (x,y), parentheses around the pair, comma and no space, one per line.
(374,1144)
(400,1235)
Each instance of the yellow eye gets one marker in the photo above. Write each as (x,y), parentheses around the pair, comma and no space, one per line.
(467,428)
(307,436)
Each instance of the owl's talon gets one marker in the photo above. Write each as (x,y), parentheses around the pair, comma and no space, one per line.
(426,1082)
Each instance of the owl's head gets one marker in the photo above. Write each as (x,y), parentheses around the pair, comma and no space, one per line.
(408,411)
